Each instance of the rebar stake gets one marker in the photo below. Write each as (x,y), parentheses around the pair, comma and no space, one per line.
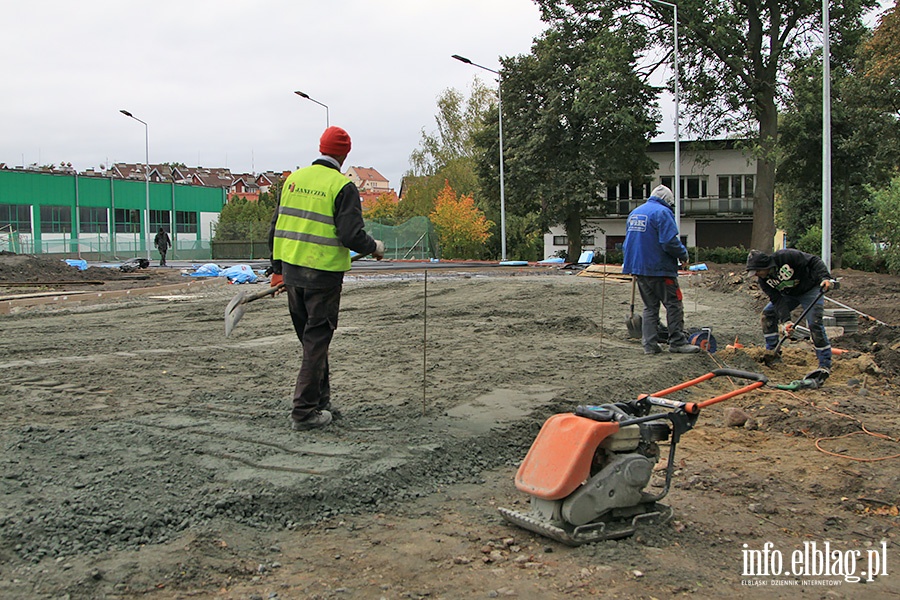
(425,342)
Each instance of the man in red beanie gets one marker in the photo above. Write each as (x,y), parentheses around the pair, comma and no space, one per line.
(317,222)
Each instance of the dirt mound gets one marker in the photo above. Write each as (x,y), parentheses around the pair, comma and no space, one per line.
(26,273)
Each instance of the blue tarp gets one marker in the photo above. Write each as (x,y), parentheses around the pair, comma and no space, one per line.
(240,274)
(79,264)
(700,267)
(556,260)
(586,258)
(207,270)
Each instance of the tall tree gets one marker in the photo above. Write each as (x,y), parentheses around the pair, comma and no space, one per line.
(461,227)
(382,208)
(882,59)
(447,154)
(734,57)
(865,146)
(576,114)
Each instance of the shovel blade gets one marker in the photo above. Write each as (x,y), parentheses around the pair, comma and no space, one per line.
(233,312)
(634,323)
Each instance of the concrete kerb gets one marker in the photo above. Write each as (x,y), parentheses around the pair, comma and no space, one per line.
(6,306)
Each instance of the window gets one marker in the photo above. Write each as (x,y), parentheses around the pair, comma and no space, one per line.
(128,220)
(185,222)
(160,218)
(56,219)
(732,188)
(692,186)
(620,199)
(92,219)
(16,217)
(563,240)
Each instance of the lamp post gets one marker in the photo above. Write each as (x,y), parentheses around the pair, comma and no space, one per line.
(826,137)
(677,189)
(146,175)
(302,95)
(500,113)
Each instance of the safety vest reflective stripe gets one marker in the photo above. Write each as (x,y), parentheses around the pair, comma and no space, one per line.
(306,214)
(306,237)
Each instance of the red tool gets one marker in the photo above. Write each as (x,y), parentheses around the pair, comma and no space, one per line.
(587,471)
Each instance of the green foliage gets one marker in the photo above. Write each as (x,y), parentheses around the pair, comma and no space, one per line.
(734,57)
(885,224)
(865,146)
(811,241)
(575,113)
(447,155)
(244,220)
(722,256)
(458,119)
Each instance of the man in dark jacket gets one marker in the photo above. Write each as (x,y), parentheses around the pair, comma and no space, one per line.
(317,222)
(791,278)
(652,250)
(162,243)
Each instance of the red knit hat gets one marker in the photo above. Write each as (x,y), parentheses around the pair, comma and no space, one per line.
(335,142)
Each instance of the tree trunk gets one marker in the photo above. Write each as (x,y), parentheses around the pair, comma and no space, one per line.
(573,233)
(763,234)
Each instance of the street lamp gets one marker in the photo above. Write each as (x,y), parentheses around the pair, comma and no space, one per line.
(302,95)
(500,112)
(826,137)
(677,189)
(146,174)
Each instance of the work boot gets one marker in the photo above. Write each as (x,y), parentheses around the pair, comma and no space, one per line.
(335,412)
(654,349)
(319,418)
(684,349)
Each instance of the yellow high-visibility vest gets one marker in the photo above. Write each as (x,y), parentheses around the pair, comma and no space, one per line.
(305,234)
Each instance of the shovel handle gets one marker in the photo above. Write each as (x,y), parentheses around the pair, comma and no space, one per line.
(800,318)
(263,294)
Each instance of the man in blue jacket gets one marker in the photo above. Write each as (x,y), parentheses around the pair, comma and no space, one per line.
(652,251)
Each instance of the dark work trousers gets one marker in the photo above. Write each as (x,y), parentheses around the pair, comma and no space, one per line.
(162,256)
(655,291)
(314,313)
(813,320)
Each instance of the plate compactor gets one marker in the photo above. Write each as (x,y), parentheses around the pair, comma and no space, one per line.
(587,471)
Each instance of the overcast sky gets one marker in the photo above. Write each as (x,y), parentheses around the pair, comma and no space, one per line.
(214,79)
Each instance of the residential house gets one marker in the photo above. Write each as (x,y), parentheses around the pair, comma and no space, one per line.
(718,179)
(368,179)
(244,185)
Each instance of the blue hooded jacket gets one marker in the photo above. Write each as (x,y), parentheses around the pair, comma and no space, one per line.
(652,246)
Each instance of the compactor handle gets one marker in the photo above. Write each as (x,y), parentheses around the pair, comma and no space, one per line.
(693,408)
(740,374)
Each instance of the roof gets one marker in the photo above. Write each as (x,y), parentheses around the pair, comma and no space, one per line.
(367,174)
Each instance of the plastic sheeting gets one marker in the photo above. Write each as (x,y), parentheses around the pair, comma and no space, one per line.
(79,264)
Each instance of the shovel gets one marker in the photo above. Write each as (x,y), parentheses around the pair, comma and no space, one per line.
(772,356)
(634,322)
(235,309)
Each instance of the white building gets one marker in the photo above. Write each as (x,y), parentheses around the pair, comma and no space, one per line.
(717,184)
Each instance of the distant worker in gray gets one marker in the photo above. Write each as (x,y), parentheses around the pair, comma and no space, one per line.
(162,243)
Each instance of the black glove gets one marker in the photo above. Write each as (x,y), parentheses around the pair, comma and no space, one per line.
(274,268)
